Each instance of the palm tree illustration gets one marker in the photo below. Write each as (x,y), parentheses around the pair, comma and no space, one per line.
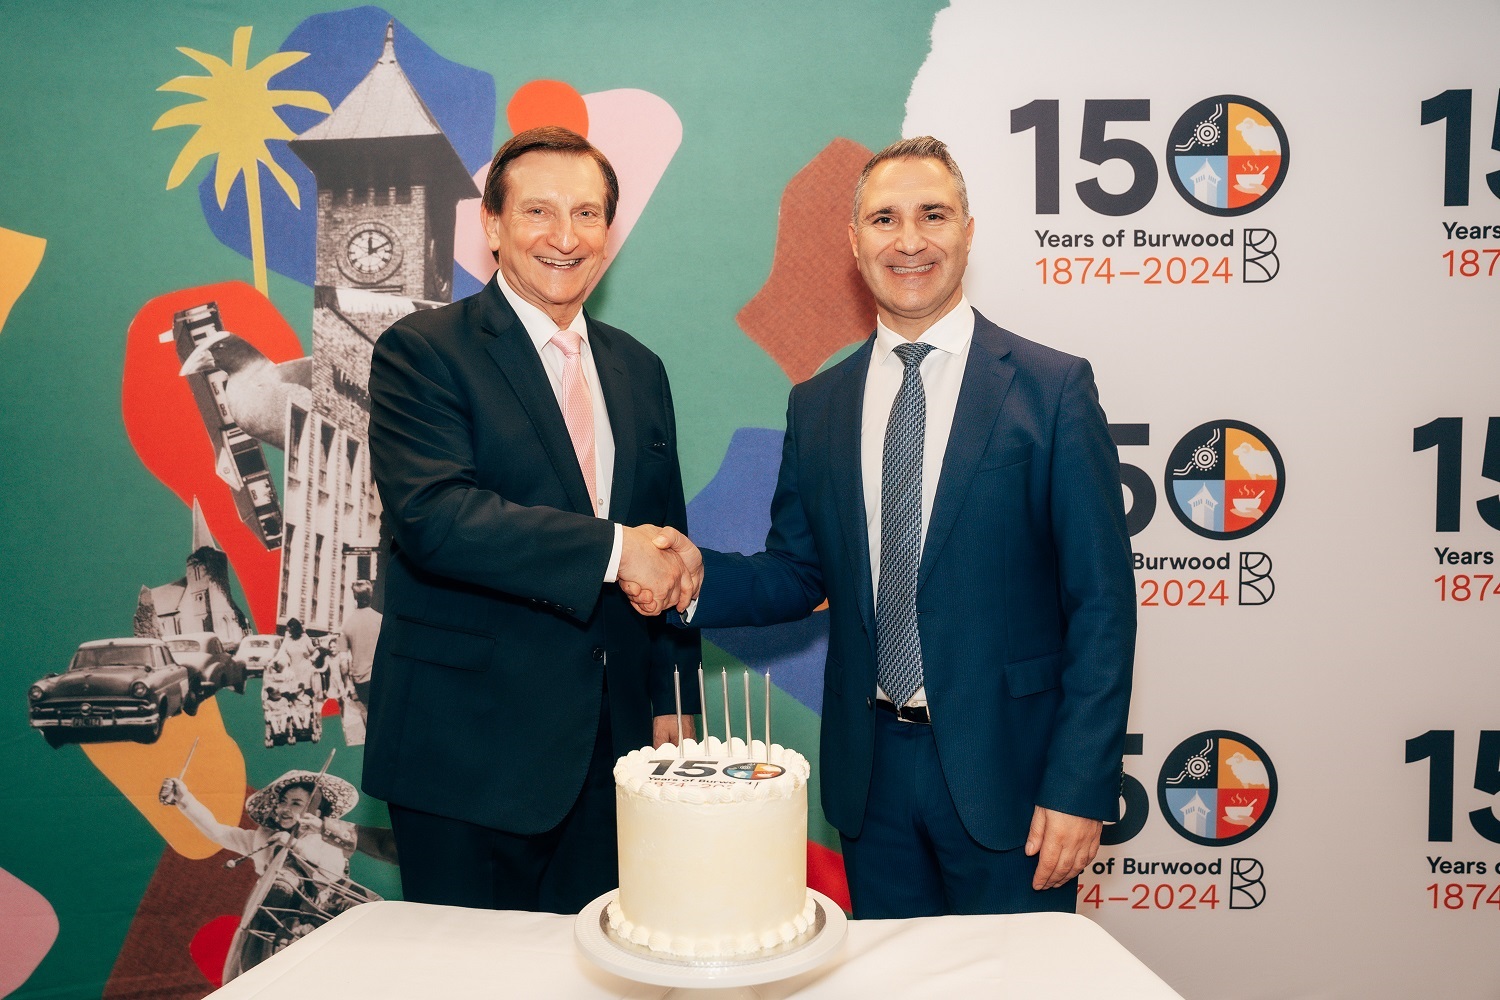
(235,117)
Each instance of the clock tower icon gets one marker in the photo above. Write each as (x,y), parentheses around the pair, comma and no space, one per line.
(389,183)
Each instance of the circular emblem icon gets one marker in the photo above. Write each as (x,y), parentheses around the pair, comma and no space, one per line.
(1227,155)
(753,771)
(1224,479)
(1217,788)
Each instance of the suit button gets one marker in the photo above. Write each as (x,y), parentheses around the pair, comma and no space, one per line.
(598,653)
(870,704)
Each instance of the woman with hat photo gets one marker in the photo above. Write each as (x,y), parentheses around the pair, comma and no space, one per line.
(300,848)
(282,816)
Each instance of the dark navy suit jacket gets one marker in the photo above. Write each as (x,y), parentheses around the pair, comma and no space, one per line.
(1026,596)
(486,688)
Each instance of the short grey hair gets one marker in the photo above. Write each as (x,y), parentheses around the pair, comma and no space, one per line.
(923,147)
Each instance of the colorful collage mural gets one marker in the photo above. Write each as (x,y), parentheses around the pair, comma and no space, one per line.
(337,166)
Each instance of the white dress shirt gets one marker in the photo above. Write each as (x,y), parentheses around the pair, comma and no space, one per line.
(540,328)
(942,376)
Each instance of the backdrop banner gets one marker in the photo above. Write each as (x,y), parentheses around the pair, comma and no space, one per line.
(1273,229)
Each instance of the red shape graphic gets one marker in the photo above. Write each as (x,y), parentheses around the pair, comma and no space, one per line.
(210,947)
(331,707)
(164,425)
(815,301)
(825,873)
(547,102)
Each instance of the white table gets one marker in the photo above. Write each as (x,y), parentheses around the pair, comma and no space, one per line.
(404,950)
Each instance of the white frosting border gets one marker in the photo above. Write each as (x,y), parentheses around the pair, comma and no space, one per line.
(714,946)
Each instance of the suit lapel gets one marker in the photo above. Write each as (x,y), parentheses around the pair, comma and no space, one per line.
(616,386)
(847,396)
(519,362)
(987,378)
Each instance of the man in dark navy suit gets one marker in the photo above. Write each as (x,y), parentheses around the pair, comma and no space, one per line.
(524,453)
(952,490)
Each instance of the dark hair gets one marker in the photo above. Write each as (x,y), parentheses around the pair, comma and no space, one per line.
(548,139)
(923,147)
(325,807)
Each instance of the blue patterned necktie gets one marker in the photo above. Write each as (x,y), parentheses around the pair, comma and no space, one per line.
(898,649)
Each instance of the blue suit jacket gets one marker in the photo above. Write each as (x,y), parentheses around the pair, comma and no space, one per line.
(1026,596)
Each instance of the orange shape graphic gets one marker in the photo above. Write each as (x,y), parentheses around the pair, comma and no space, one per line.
(547,102)
(216,775)
(814,301)
(1241,767)
(20,256)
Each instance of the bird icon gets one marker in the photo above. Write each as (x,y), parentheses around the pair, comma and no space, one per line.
(256,391)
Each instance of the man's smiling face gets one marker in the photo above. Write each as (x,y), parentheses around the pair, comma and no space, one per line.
(549,236)
(911,242)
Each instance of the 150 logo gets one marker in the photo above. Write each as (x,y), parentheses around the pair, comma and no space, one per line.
(1215,788)
(1223,480)
(1473,891)
(1468,574)
(1226,155)
(1455,109)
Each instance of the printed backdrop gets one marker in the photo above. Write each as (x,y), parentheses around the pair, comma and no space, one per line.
(1273,228)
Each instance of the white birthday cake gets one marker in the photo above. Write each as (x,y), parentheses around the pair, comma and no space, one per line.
(713,849)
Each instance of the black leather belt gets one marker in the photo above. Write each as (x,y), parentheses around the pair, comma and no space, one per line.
(906,713)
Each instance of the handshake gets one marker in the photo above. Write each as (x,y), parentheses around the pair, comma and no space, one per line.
(659,569)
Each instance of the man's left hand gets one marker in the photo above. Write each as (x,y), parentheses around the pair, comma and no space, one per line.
(664,729)
(1062,844)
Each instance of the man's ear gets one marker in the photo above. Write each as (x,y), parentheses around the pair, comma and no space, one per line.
(491,226)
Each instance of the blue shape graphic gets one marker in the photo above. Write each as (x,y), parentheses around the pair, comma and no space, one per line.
(1188,165)
(1183,492)
(1179,799)
(732,514)
(464,283)
(342,46)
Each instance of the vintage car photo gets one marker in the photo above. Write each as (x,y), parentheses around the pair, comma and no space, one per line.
(210,664)
(255,652)
(114,689)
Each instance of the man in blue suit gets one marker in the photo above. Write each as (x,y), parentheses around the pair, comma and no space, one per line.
(952,490)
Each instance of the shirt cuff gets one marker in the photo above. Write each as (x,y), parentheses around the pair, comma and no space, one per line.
(612,571)
(687,616)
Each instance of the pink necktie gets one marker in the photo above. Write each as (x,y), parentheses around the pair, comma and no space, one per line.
(578,410)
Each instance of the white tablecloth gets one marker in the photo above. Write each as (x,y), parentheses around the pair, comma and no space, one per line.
(408,950)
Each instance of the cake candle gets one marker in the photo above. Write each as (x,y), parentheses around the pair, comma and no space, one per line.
(748,716)
(677,694)
(768,715)
(726,709)
(702,706)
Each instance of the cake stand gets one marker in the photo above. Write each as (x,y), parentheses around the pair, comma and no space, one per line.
(638,963)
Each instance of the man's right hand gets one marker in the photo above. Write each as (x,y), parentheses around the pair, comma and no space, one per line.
(659,569)
(171,792)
